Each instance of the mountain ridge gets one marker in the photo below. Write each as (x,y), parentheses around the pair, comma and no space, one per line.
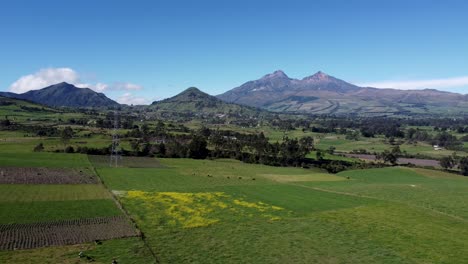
(64,95)
(280,93)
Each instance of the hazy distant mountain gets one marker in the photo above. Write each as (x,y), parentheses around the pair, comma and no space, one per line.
(64,94)
(324,94)
(192,100)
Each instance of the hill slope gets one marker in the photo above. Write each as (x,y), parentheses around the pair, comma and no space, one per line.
(64,94)
(192,100)
(324,94)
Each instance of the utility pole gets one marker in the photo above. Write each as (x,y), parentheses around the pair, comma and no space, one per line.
(115,152)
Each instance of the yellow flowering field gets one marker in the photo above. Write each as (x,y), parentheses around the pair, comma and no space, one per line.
(190,210)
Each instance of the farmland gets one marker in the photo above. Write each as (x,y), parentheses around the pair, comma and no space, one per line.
(211,210)
(230,206)
(25,236)
(191,211)
(55,201)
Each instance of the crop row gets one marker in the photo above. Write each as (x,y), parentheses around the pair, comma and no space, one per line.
(15,175)
(66,232)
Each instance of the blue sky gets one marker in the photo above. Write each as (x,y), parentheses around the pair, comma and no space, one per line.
(138,51)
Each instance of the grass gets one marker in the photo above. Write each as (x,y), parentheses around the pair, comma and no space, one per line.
(45,192)
(163,180)
(225,211)
(32,212)
(43,159)
(407,231)
(127,162)
(302,177)
(328,156)
(390,215)
(187,174)
(434,190)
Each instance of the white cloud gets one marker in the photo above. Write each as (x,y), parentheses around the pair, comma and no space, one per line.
(50,76)
(130,99)
(456,82)
(126,86)
(98,87)
(43,78)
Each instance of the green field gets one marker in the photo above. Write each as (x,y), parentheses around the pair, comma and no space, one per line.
(43,159)
(433,190)
(34,203)
(226,211)
(378,145)
(32,212)
(191,212)
(49,192)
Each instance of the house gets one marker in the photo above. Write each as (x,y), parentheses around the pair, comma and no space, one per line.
(436,147)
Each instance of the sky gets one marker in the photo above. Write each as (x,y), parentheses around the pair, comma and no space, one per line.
(141,51)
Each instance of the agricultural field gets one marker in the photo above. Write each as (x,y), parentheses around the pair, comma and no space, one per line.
(127,162)
(224,211)
(26,236)
(378,145)
(53,206)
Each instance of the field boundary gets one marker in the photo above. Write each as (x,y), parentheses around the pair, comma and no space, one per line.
(127,215)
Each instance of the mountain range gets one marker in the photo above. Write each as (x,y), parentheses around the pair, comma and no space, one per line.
(324,94)
(319,93)
(64,95)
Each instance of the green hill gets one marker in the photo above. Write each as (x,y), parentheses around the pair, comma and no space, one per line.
(192,100)
(64,94)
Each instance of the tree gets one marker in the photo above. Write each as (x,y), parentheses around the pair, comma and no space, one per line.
(306,145)
(145,131)
(387,157)
(66,135)
(197,148)
(161,149)
(464,166)
(5,122)
(447,162)
(135,146)
(39,147)
(160,128)
(319,154)
(69,149)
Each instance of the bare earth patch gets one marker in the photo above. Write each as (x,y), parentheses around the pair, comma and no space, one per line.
(13,175)
(302,178)
(417,162)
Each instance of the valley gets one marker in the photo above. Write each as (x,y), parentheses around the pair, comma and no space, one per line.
(254,187)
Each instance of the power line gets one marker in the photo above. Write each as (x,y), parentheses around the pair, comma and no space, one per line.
(115,157)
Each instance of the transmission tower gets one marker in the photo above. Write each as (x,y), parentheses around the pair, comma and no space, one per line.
(115,152)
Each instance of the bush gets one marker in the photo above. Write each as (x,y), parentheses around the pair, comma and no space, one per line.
(69,149)
(464,166)
(39,147)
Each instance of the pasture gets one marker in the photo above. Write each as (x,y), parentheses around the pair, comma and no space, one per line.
(202,211)
(225,211)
